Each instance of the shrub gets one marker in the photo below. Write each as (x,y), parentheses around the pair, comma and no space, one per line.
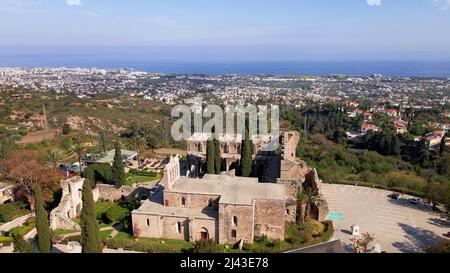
(99,172)
(30,220)
(74,238)
(116,214)
(6,240)
(442,247)
(22,246)
(143,173)
(10,211)
(21,231)
(314,227)
(207,246)
(300,237)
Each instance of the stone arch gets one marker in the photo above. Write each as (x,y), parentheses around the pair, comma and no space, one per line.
(204,234)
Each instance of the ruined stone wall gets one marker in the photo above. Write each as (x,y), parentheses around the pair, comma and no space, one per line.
(6,194)
(270,218)
(172,172)
(292,187)
(198,201)
(110,193)
(291,210)
(293,170)
(244,225)
(289,142)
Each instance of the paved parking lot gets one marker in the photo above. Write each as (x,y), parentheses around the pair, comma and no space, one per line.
(398,225)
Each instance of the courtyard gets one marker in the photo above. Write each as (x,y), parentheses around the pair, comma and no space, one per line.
(400,227)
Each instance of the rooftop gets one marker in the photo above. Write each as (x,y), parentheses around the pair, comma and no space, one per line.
(108,157)
(158,209)
(232,190)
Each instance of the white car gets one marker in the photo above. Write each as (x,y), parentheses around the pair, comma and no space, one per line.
(415,201)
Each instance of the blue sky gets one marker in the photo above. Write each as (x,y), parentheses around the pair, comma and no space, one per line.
(230,29)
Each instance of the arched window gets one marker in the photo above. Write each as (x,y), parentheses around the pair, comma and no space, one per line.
(233,233)
(183,201)
(148,222)
(235,220)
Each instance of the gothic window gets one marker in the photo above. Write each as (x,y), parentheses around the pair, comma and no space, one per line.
(183,201)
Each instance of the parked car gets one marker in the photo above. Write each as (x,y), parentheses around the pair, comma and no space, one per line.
(415,201)
(395,196)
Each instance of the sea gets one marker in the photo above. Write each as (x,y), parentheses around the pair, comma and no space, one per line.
(275,68)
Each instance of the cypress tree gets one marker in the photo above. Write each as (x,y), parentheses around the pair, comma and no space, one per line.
(103,141)
(118,171)
(246,162)
(210,161)
(90,240)
(442,148)
(217,156)
(44,239)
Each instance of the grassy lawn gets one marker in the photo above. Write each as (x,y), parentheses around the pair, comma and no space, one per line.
(131,179)
(105,234)
(60,232)
(296,237)
(11,211)
(123,239)
(22,230)
(123,236)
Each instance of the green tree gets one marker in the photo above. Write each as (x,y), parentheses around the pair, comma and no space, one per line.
(246,162)
(137,143)
(78,150)
(443,167)
(151,142)
(217,156)
(103,141)
(210,160)
(53,157)
(5,148)
(443,144)
(66,129)
(118,171)
(44,239)
(305,200)
(90,239)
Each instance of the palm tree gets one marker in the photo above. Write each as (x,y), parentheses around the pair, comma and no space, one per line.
(78,149)
(305,199)
(136,143)
(53,157)
(151,143)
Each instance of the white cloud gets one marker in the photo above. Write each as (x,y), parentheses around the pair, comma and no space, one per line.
(442,4)
(73,2)
(374,2)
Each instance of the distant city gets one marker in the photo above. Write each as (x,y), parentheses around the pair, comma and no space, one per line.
(410,92)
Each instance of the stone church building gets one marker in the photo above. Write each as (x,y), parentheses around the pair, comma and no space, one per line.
(226,208)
